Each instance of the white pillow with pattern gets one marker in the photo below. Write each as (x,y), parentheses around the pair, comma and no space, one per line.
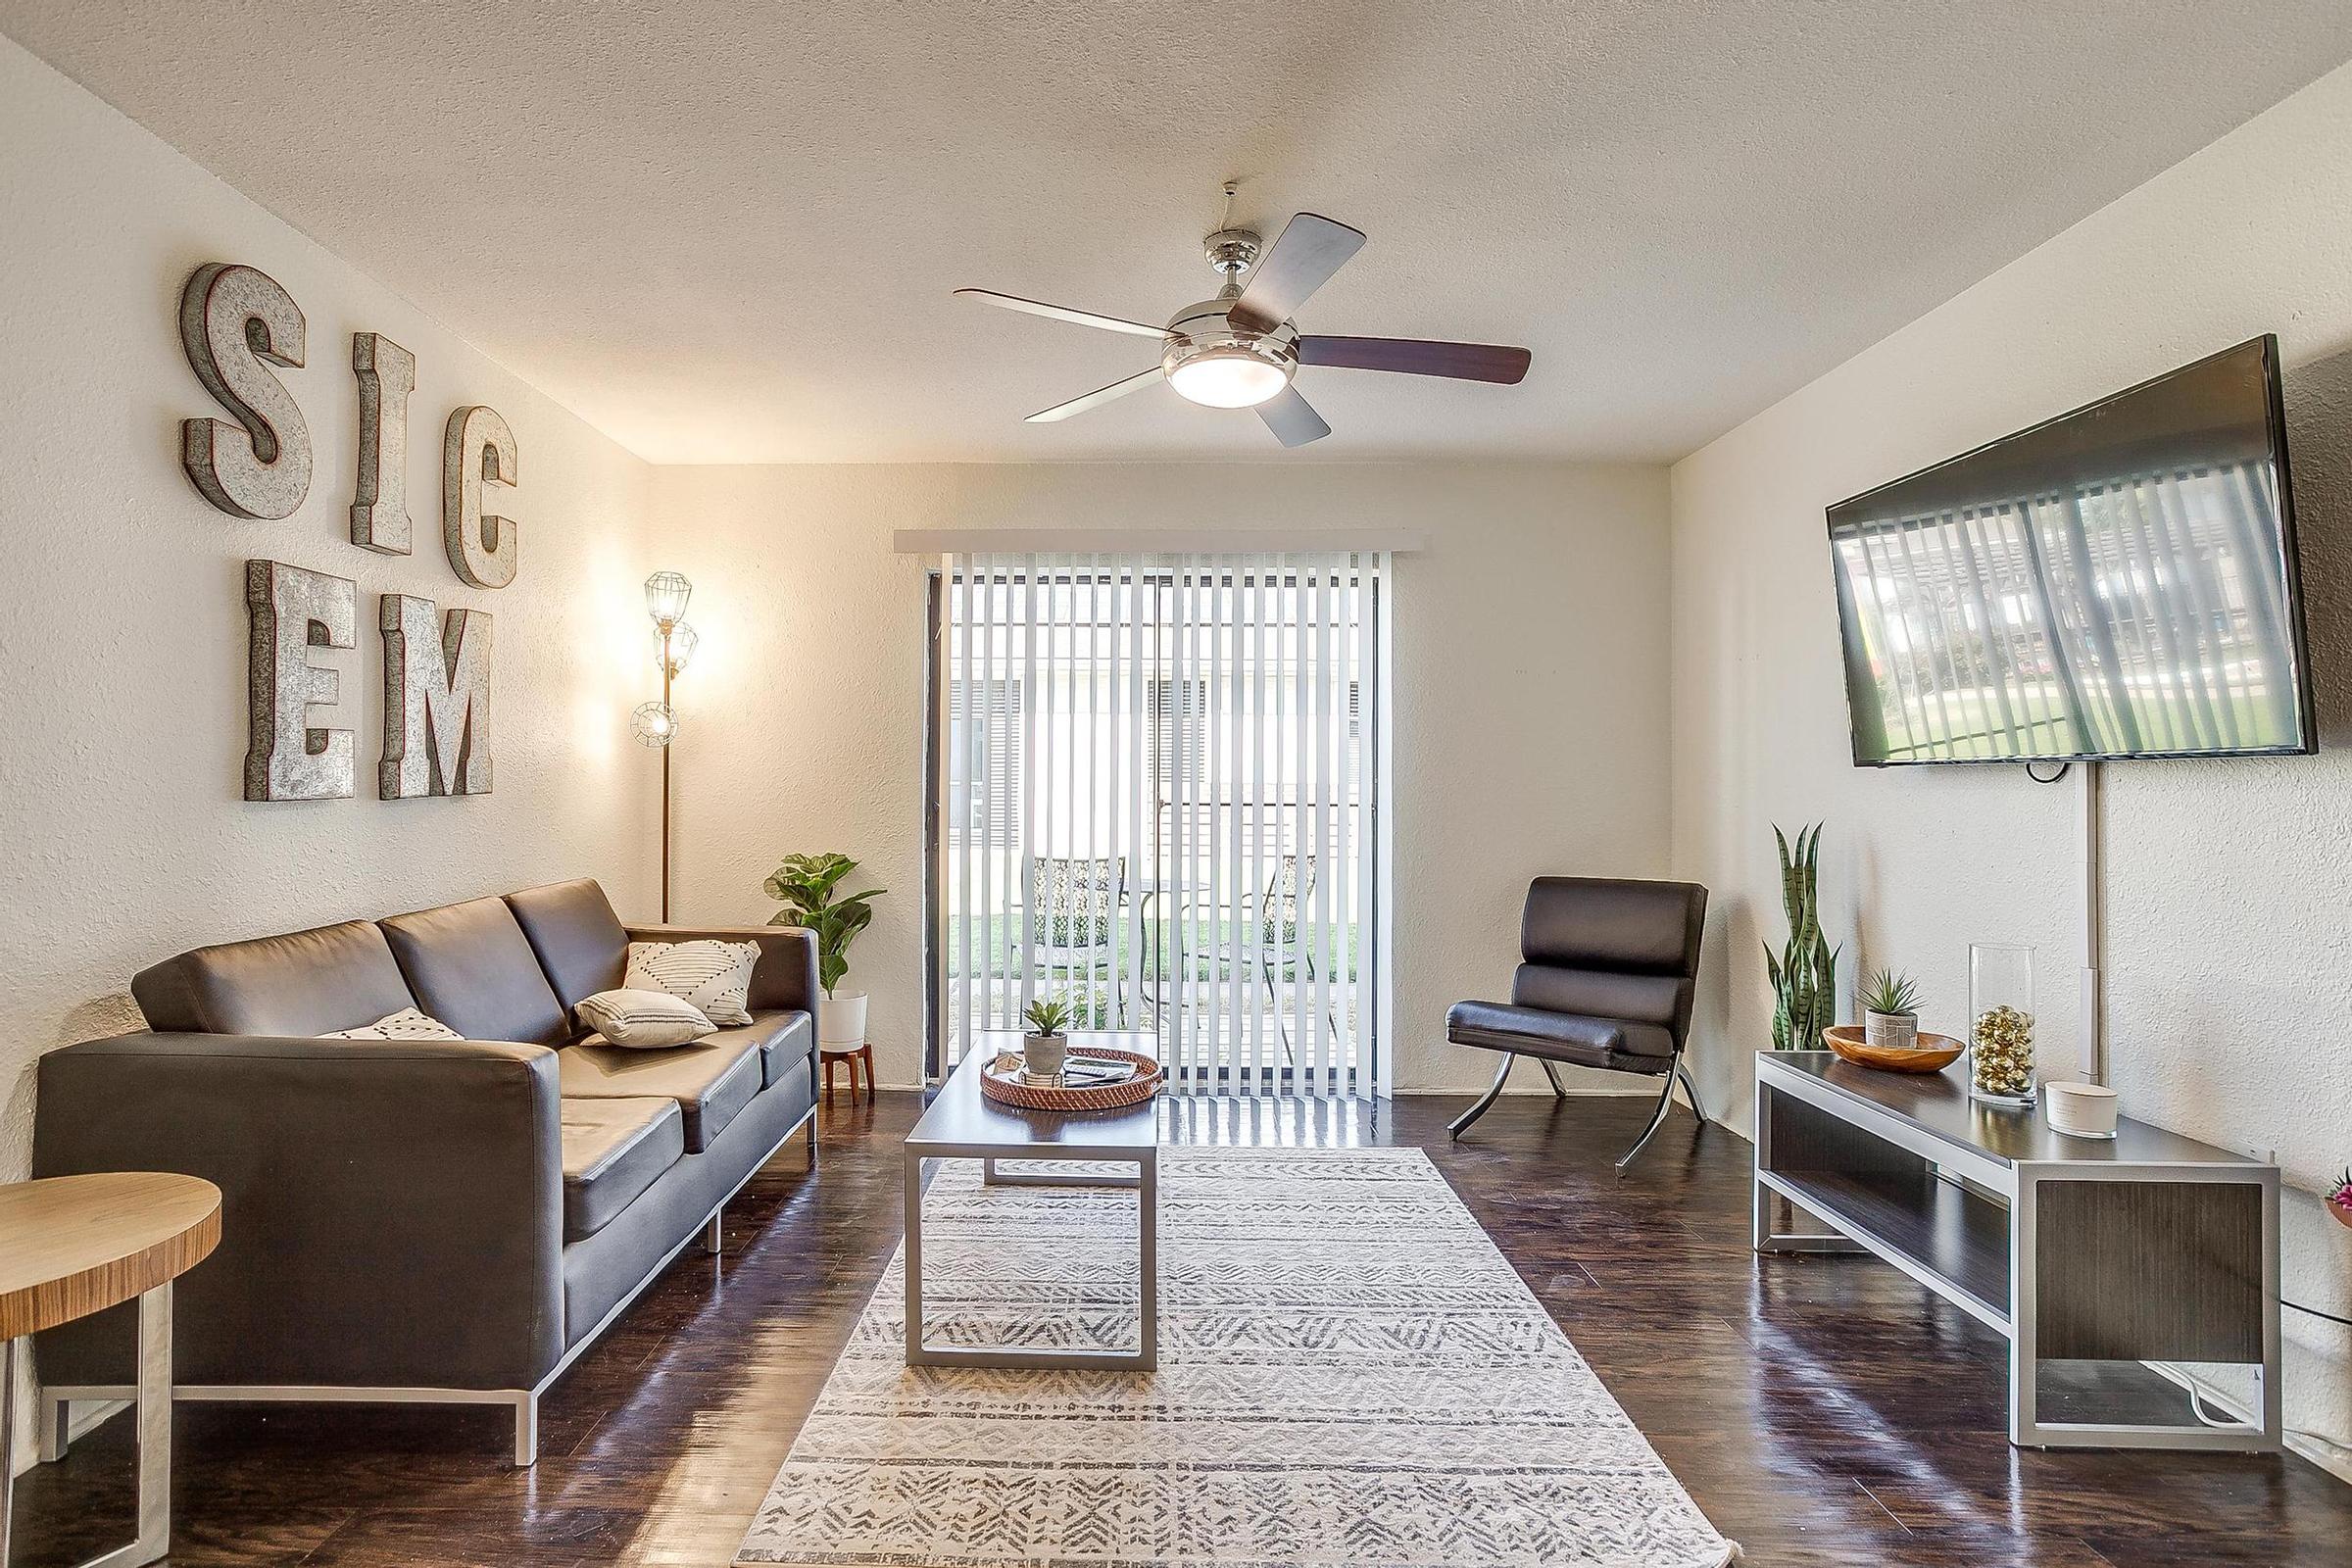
(406,1025)
(716,976)
(643,1020)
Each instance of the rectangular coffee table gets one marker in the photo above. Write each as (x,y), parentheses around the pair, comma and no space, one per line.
(965,1124)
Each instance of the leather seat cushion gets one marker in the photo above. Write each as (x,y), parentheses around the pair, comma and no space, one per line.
(785,1039)
(472,968)
(303,983)
(1559,1036)
(711,1080)
(614,1150)
(577,937)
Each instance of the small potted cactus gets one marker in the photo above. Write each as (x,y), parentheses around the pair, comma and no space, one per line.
(1891,1011)
(1045,1046)
(2339,1201)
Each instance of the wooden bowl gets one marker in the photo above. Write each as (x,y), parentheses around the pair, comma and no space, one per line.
(1933,1053)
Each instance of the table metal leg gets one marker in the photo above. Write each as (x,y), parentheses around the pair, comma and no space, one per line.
(1146,1355)
(915,1258)
(1147,1197)
(154,1416)
(9,1357)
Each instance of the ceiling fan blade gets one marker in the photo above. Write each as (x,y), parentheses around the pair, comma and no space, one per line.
(1097,397)
(1309,249)
(1413,356)
(1061,313)
(1293,419)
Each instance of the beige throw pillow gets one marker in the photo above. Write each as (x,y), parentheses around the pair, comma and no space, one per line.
(716,976)
(406,1025)
(643,1020)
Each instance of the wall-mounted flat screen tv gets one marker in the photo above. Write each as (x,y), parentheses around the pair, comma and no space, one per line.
(2118,582)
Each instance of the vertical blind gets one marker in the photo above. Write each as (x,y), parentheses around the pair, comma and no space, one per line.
(1156,803)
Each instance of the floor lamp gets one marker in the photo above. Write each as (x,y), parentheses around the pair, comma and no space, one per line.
(656,724)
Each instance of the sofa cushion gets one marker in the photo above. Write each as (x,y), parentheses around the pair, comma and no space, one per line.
(1559,1036)
(716,976)
(406,1025)
(785,975)
(643,1020)
(304,983)
(472,968)
(578,939)
(612,1150)
(785,1038)
(711,1080)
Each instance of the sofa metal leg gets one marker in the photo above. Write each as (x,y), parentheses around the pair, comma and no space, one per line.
(813,1140)
(1690,1088)
(526,1431)
(56,1417)
(1552,1074)
(1657,1120)
(1462,1124)
(713,1237)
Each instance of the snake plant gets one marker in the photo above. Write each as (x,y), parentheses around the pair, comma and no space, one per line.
(1805,972)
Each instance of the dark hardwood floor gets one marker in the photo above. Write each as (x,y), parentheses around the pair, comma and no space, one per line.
(1820,1410)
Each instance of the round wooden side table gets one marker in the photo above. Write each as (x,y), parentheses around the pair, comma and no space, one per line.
(853,1055)
(71,1245)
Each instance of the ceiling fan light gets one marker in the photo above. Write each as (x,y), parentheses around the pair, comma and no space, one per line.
(1228,378)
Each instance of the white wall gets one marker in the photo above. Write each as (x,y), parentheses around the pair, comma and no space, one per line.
(2229,882)
(1528,706)
(123,705)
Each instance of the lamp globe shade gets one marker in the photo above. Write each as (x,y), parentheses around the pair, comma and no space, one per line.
(665,596)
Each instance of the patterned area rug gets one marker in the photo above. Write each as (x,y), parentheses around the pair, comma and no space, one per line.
(1349,1374)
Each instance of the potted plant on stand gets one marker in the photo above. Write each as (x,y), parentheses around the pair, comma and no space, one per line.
(805,885)
(1891,1011)
(1046,1046)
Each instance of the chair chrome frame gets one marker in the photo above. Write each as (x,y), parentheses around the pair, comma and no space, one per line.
(1675,1071)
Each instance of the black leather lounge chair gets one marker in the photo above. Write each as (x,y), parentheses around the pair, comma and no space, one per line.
(1606,981)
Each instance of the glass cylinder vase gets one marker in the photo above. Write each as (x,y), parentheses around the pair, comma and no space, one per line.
(2000,1008)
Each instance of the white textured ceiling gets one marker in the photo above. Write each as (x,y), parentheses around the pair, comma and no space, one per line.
(727,232)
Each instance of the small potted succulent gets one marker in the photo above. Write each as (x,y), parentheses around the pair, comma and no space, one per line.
(1045,1046)
(1891,1011)
(2339,1201)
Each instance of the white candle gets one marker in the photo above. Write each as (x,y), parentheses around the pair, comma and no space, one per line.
(2081,1110)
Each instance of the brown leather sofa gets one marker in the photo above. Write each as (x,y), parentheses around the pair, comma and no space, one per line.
(419,1220)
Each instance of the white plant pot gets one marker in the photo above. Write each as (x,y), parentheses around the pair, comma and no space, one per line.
(1890,1031)
(841,1021)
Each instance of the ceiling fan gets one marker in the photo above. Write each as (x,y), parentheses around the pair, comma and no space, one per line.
(1241,349)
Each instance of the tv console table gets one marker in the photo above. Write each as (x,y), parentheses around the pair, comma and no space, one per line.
(2150,1247)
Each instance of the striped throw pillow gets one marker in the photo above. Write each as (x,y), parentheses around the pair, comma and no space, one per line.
(406,1025)
(642,1021)
(716,976)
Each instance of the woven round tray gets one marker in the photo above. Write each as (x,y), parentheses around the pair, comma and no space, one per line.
(1001,1080)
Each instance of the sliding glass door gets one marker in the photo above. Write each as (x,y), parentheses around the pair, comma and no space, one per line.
(1152,794)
